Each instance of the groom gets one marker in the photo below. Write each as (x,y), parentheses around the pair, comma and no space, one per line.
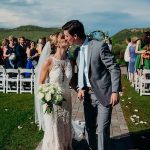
(98,82)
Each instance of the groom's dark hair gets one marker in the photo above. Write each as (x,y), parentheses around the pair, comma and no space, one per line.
(75,27)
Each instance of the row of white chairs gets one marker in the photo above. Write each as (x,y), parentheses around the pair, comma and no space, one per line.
(142,82)
(16,80)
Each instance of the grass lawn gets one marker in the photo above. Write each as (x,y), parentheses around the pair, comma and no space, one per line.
(134,104)
(17,128)
(18,131)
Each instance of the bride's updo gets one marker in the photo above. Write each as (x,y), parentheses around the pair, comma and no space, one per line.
(54,40)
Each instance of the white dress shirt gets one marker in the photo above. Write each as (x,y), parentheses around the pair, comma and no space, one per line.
(84,49)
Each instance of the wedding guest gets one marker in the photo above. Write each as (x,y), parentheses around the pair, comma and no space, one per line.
(11,50)
(140,50)
(126,55)
(21,55)
(132,58)
(146,54)
(1,56)
(32,56)
(6,55)
(40,46)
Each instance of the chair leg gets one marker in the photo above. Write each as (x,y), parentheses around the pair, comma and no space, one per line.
(6,86)
(17,88)
(20,87)
(31,86)
(141,89)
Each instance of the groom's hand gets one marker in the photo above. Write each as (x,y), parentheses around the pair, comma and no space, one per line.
(81,94)
(114,99)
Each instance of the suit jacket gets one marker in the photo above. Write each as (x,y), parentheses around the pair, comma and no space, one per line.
(104,72)
(21,56)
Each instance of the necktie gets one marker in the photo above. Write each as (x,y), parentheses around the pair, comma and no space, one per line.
(81,68)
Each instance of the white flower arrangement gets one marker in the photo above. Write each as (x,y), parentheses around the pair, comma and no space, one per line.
(50,94)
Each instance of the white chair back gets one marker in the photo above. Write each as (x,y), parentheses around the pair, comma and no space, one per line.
(26,80)
(145,82)
(12,80)
(2,80)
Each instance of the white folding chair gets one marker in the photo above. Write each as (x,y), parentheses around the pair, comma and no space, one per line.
(26,80)
(34,80)
(1,66)
(2,80)
(12,80)
(137,82)
(145,82)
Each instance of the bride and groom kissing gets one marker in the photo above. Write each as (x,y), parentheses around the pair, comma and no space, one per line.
(98,86)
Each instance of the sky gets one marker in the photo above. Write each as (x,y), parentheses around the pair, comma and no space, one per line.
(108,15)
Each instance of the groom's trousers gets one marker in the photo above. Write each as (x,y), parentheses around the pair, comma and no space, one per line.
(97,118)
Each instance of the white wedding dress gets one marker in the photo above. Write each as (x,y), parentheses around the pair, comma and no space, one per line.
(58,129)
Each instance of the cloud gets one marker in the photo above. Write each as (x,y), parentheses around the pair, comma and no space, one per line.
(111,16)
(18,2)
(12,19)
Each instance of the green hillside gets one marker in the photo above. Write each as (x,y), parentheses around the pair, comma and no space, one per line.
(29,31)
(34,32)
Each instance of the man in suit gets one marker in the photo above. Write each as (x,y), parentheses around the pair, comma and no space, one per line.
(98,82)
(21,55)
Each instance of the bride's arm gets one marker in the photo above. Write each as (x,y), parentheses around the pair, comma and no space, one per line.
(44,71)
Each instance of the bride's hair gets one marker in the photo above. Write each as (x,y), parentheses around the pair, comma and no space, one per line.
(54,40)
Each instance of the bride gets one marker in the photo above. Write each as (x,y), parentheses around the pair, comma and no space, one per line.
(56,69)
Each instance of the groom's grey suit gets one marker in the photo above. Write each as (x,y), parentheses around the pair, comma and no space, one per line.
(104,77)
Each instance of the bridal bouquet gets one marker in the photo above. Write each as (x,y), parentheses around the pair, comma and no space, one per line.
(50,94)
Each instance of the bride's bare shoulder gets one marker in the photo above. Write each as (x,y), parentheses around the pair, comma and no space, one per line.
(47,62)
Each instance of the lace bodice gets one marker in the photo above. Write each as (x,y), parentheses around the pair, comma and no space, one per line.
(60,73)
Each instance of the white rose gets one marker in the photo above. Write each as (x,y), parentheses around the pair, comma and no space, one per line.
(40,87)
(40,95)
(59,97)
(52,91)
(48,96)
(46,89)
(59,90)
